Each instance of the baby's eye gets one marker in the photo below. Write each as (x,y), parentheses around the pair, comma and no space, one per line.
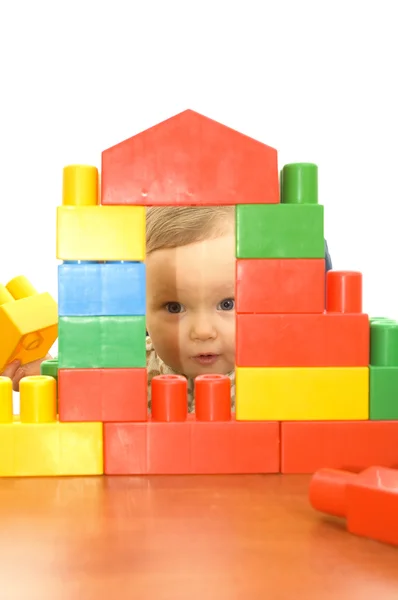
(174,307)
(227,304)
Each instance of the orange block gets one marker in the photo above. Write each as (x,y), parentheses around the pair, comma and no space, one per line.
(368,500)
(280,286)
(191,447)
(350,445)
(102,395)
(305,340)
(189,160)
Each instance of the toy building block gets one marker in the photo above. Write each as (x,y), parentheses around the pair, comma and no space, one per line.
(173,442)
(36,444)
(353,445)
(101,342)
(280,231)
(292,229)
(87,231)
(368,500)
(28,322)
(102,395)
(189,160)
(302,394)
(302,340)
(344,292)
(280,285)
(106,289)
(383,369)
(50,367)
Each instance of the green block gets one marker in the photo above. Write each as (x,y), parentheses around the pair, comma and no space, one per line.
(383,382)
(101,342)
(383,342)
(280,231)
(300,184)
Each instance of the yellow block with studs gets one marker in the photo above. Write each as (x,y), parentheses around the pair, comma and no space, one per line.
(89,231)
(28,322)
(36,444)
(302,394)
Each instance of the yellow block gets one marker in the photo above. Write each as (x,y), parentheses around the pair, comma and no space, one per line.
(28,322)
(101,233)
(36,446)
(302,394)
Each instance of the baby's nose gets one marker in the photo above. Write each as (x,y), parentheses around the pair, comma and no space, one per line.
(203,329)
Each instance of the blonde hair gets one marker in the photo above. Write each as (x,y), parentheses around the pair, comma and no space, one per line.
(173,226)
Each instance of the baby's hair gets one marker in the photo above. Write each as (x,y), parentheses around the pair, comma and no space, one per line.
(173,226)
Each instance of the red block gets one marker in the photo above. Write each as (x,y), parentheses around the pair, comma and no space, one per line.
(191,447)
(313,340)
(190,160)
(349,445)
(369,500)
(227,447)
(280,285)
(102,395)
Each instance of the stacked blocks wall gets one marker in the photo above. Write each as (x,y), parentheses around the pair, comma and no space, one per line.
(316,379)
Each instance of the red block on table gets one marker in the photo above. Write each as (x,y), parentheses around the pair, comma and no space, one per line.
(307,446)
(368,500)
(203,443)
(305,340)
(102,395)
(280,285)
(189,160)
(344,291)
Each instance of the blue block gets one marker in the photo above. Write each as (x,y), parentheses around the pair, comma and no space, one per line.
(101,289)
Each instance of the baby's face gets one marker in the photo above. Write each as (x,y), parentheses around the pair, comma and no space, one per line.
(191,306)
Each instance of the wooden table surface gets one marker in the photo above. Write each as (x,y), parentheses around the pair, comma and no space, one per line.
(221,537)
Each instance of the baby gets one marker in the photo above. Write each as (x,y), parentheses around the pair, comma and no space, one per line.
(190,269)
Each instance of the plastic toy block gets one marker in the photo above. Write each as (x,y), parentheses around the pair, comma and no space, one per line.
(28,322)
(383,382)
(201,443)
(368,500)
(110,289)
(103,395)
(101,342)
(280,285)
(304,340)
(300,183)
(384,343)
(343,292)
(101,233)
(280,231)
(353,445)
(302,394)
(36,444)
(189,160)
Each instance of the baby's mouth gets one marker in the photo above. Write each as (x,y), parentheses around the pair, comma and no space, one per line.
(206,359)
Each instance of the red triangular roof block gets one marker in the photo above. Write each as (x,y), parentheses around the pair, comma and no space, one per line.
(187,160)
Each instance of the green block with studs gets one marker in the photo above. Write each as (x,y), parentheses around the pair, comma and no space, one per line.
(101,342)
(292,229)
(383,389)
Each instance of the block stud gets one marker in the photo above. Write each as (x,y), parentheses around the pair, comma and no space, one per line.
(384,343)
(5,295)
(299,183)
(80,186)
(38,399)
(20,287)
(344,292)
(169,398)
(213,397)
(6,415)
(328,491)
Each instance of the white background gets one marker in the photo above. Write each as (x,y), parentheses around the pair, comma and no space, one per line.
(315,80)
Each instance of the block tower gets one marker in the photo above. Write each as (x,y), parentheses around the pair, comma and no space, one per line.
(307,394)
